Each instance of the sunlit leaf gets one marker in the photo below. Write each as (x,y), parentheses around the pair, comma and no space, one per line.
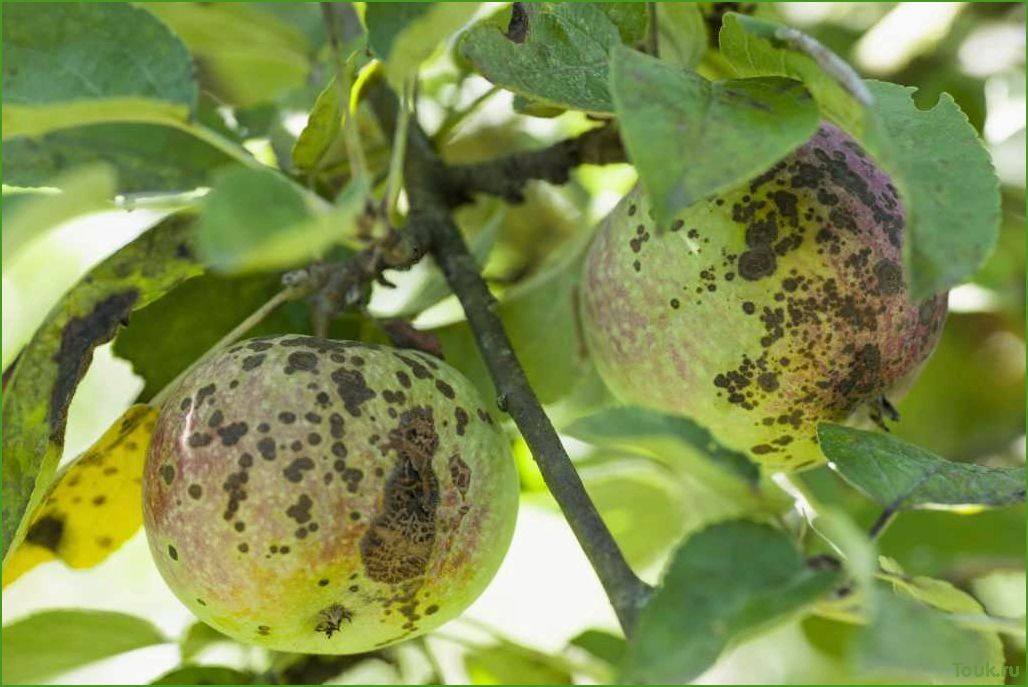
(47,644)
(901,476)
(323,126)
(65,65)
(205,675)
(603,645)
(198,637)
(29,215)
(540,316)
(512,664)
(35,402)
(642,505)
(146,157)
(683,33)
(246,56)
(95,503)
(690,137)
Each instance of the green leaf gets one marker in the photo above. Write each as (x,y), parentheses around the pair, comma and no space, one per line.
(405,34)
(386,21)
(258,220)
(68,64)
(35,402)
(631,19)
(901,476)
(205,675)
(198,637)
(947,185)
(27,216)
(165,337)
(563,60)
(644,508)
(662,436)
(246,56)
(909,641)
(732,578)
(511,664)
(939,594)
(683,33)
(755,47)
(323,126)
(938,542)
(604,645)
(690,138)
(46,644)
(146,157)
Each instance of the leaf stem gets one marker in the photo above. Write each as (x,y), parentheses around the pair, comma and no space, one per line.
(394,181)
(344,81)
(881,523)
(446,129)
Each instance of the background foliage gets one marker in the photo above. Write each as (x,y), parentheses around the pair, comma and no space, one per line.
(129,109)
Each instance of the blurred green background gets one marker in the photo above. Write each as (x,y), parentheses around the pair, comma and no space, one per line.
(969,403)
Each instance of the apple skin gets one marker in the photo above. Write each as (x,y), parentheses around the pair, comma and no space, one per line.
(327,497)
(764,310)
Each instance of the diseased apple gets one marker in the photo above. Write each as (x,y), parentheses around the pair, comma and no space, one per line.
(765,310)
(327,497)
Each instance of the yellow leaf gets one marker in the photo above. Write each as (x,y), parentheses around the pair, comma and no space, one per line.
(95,503)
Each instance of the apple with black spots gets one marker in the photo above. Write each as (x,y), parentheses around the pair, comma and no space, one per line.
(327,497)
(761,311)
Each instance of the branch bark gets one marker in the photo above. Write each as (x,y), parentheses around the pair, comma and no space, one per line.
(507,176)
(433,189)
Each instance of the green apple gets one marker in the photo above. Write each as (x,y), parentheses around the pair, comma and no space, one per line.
(327,497)
(764,310)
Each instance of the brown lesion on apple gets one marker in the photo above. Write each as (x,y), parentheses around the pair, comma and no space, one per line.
(398,544)
(331,618)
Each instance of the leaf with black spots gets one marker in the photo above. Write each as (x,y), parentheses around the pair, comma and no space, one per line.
(93,506)
(35,405)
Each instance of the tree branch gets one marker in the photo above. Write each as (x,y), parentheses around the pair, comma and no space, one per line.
(433,189)
(506,176)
